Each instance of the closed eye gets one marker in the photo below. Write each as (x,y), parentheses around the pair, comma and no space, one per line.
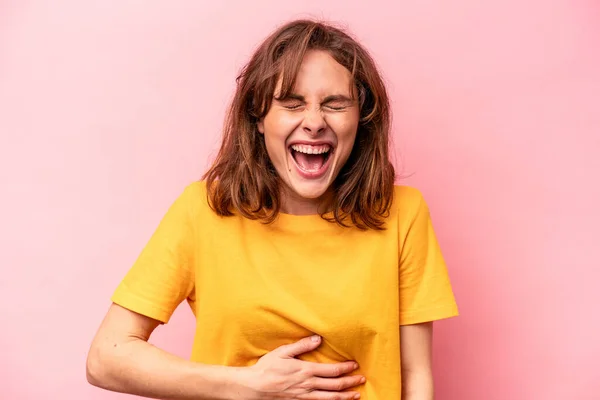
(336,107)
(338,102)
(292,106)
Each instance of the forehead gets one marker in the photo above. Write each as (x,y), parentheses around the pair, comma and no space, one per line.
(321,75)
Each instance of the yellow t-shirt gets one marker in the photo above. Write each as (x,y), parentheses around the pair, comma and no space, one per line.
(254,287)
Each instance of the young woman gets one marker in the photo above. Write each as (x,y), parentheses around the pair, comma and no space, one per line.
(310,274)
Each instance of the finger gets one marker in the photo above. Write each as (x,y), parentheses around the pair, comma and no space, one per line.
(330,370)
(300,347)
(337,384)
(323,395)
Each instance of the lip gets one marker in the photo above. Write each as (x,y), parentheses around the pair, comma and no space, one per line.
(312,174)
(312,143)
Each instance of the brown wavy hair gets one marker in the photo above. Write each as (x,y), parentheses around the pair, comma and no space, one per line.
(242,178)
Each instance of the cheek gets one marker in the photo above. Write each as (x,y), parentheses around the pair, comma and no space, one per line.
(277,128)
(280,125)
(345,128)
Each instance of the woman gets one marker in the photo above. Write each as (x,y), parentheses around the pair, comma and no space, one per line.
(311,275)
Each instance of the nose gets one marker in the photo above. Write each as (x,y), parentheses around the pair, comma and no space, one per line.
(314,123)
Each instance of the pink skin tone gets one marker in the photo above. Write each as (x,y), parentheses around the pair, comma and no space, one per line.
(320,116)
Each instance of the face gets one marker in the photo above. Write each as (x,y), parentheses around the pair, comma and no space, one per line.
(309,135)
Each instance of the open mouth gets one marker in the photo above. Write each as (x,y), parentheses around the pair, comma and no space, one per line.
(311,159)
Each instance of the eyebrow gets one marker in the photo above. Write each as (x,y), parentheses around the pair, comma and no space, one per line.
(337,97)
(328,99)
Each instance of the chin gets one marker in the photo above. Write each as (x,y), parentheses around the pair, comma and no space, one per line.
(310,190)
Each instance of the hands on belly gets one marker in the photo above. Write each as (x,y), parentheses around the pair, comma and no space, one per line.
(280,375)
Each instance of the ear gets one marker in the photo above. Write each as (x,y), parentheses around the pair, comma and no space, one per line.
(261,126)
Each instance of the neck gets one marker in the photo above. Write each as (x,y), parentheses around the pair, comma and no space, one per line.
(293,204)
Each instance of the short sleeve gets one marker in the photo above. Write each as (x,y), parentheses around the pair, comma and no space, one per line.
(163,274)
(425,291)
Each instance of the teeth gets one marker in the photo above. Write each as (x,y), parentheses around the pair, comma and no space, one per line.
(309,149)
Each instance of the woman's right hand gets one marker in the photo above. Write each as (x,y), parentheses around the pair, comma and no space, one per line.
(279,375)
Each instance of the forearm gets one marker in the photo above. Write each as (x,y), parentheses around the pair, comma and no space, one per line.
(139,368)
(417,386)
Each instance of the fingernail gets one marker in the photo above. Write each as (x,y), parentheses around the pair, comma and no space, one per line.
(315,338)
(363,380)
(357,396)
(355,366)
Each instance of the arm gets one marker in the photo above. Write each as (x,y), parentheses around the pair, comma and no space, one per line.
(121,359)
(425,295)
(415,347)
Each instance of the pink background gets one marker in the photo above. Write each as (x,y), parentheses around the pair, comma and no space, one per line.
(108,110)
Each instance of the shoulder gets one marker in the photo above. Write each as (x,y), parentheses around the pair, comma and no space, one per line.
(194,197)
(195,190)
(409,203)
(407,197)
